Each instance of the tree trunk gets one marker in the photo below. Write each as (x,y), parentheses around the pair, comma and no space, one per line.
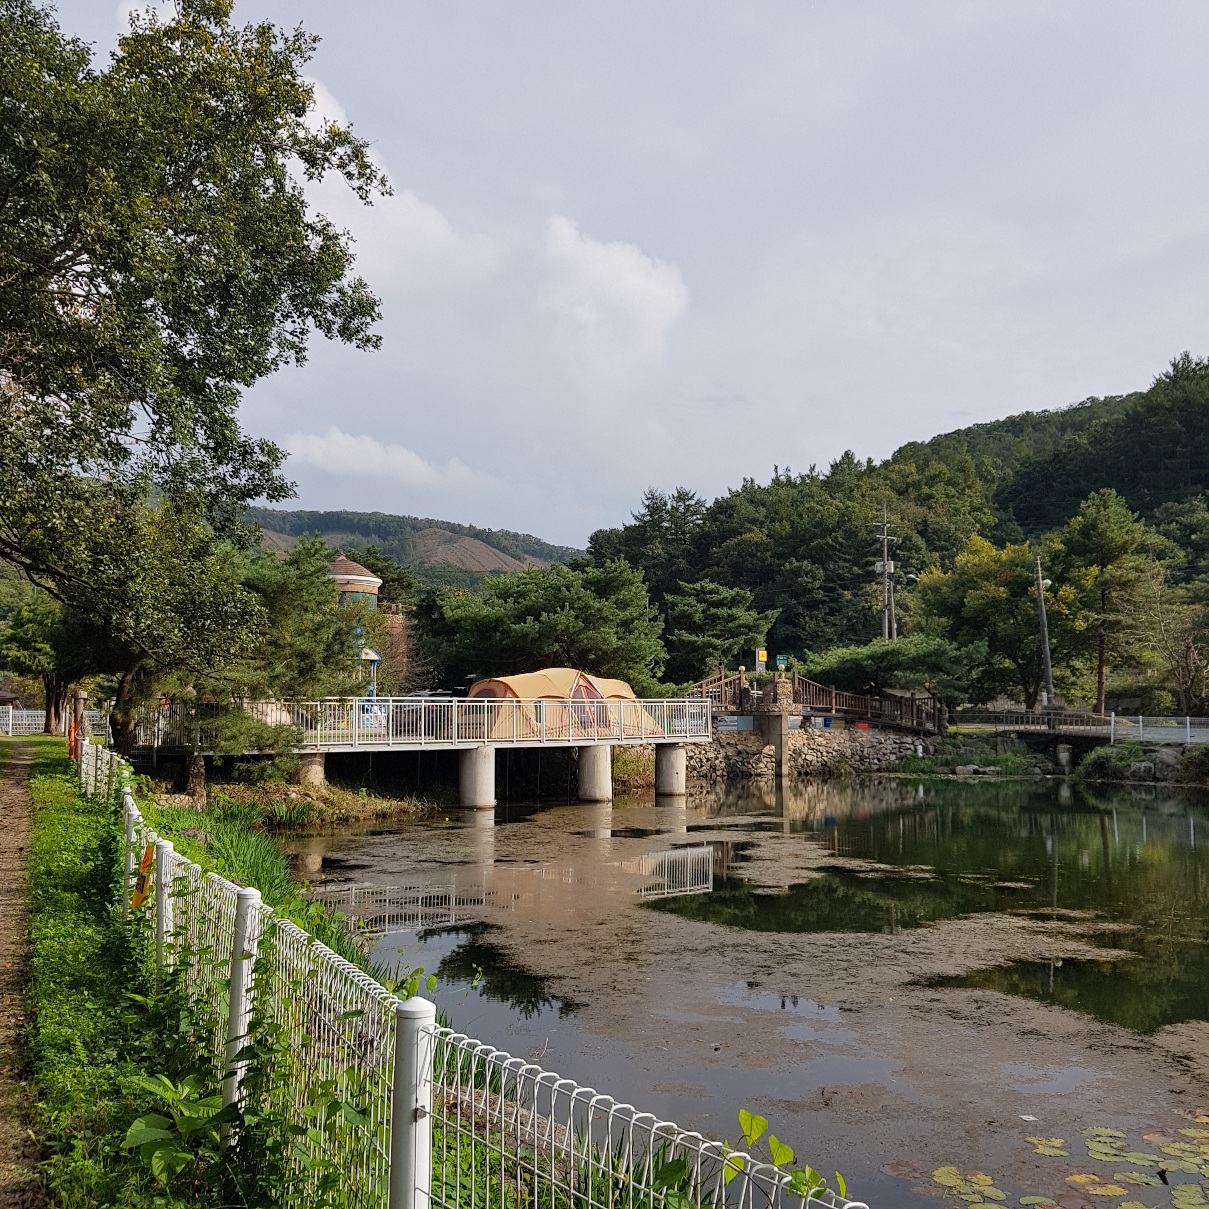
(196,787)
(123,707)
(55,692)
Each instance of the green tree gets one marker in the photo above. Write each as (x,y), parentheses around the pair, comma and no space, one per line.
(157,257)
(42,639)
(988,603)
(398,580)
(708,625)
(1109,542)
(659,542)
(918,661)
(598,619)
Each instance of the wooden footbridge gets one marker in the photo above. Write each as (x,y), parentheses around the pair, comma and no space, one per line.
(734,692)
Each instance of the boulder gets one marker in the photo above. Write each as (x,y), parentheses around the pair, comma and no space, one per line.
(966,770)
(1141,770)
(1166,761)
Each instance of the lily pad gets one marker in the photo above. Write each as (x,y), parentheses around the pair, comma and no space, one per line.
(1104,1190)
(1132,1205)
(1100,1132)
(947,1177)
(1141,1159)
(1043,1201)
(1083,1177)
(1047,1141)
(980,1178)
(1195,1133)
(1140,1178)
(1053,1152)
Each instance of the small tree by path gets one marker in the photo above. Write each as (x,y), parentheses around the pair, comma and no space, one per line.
(19,1183)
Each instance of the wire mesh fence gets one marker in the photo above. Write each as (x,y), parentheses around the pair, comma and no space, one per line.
(430,1117)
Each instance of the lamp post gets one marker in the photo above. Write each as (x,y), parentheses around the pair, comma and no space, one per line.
(1043,621)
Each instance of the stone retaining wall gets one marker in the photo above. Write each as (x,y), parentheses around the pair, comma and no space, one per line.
(812,753)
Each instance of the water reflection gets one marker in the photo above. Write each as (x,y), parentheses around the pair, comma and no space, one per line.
(916,853)
(879,856)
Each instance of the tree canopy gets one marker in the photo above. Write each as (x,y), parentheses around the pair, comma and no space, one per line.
(597,619)
(157,257)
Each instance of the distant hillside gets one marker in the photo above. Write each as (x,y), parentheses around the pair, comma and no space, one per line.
(1150,446)
(442,550)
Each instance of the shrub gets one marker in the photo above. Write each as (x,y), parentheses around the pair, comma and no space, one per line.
(1109,763)
(1193,768)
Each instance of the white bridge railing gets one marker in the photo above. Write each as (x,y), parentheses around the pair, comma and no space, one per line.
(1114,728)
(417,723)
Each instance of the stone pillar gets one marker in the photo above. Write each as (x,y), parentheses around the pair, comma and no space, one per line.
(311,768)
(1063,752)
(476,779)
(596,773)
(774,729)
(671,764)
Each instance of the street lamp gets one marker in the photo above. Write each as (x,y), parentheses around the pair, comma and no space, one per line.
(1048,666)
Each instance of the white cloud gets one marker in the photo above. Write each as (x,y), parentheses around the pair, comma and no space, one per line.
(618,302)
(403,244)
(338,452)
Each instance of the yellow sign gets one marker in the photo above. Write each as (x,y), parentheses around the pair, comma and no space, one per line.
(142,885)
(761,656)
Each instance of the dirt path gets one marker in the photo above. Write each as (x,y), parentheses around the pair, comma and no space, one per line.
(19,1188)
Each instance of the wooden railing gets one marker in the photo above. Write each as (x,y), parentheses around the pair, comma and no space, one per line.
(725,694)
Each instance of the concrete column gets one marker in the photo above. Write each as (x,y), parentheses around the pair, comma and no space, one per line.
(596,773)
(311,768)
(476,779)
(672,814)
(671,764)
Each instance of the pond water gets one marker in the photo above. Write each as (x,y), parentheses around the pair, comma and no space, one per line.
(800,950)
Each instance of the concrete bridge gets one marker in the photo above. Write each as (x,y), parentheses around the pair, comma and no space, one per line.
(475,727)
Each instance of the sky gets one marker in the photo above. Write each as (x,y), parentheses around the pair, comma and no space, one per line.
(660,243)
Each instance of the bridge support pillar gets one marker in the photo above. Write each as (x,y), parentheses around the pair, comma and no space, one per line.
(671,770)
(774,730)
(311,768)
(596,773)
(476,776)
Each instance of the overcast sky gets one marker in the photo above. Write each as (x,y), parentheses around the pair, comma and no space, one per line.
(649,242)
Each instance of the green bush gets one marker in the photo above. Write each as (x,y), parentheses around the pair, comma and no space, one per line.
(1109,763)
(1193,768)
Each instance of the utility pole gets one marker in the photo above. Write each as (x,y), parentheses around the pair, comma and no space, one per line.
(885,568)
(1044,623)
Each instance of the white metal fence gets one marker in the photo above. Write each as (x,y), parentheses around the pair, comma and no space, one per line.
(418,723)
(33,721)
(444,1120)
(1113,728)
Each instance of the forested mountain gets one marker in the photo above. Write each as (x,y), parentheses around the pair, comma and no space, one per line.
(441,551)
(803,545)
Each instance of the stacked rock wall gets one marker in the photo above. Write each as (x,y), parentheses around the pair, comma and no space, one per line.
(812,753)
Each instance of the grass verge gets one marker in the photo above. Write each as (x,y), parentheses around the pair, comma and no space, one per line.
(86,1045)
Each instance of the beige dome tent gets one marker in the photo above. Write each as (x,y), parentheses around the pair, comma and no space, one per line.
(560,702)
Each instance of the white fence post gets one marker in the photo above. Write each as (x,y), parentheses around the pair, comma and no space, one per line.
(1187,730)
(128,812)
(1141,729)
(8,720)
(164,922)
(239,1010)
(1112,728)
(411,1106)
